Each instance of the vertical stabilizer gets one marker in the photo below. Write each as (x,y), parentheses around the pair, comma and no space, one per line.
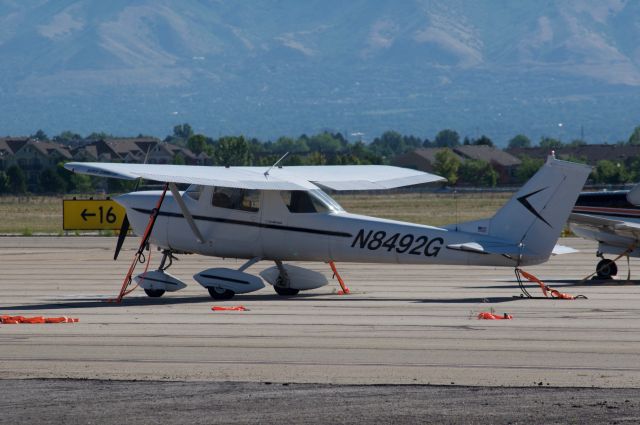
(537,213)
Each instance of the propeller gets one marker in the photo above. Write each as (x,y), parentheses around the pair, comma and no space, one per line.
(124,229)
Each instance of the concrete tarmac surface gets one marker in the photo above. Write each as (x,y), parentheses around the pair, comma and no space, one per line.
(401,325)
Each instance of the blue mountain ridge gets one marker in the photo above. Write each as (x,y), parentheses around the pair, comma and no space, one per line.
(284,67)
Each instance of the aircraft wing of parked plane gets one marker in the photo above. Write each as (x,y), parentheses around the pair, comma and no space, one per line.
(334,177)
(613,220)
(281,214)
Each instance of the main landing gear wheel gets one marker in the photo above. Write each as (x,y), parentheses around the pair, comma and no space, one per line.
(286,292)
(154,293)
(220,293)
(606,269)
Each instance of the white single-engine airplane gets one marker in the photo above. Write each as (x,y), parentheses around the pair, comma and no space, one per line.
(613,220)
(281,214)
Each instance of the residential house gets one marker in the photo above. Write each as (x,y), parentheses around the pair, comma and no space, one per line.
(424,159)
(589,153)
(133,150)
(504,163)
(33,156)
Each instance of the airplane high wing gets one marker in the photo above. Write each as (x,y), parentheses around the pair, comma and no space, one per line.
(613,220)
(334,177)
(282,214)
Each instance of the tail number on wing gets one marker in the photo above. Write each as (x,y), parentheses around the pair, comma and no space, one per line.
(414,245)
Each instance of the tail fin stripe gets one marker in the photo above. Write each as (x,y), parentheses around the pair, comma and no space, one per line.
(525,202)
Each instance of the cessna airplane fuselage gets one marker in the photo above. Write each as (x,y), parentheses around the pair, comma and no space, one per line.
(281,214)
(267,225)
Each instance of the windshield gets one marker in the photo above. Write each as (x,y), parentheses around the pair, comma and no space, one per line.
(311,201)
(194,191)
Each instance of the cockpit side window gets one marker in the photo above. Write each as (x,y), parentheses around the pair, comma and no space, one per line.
(236,199)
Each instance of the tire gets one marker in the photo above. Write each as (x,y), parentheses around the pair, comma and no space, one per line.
(286,292)
(154,293)
(606,269)
(220,294)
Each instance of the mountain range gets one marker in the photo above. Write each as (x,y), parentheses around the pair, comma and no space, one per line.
(564,69)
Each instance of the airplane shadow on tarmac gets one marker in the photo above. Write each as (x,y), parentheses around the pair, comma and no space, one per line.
(88,302)
(564,283)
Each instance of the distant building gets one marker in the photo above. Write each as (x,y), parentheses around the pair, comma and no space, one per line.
(135,150)
(590,153)
(504,163)
(33,156)
(424,159)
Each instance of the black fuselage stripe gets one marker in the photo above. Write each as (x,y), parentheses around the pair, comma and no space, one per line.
(226,279)
(251,223)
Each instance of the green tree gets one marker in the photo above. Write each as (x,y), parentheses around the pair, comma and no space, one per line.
(364,155)
(40,135)
(231,150)
(482,141)
(576,143)
(100,135)
(197,143)
(527,168)
(392,143)
(178,159)
(17,180)
(633,169)
(634,139)
(120,186)
(74,182)
(519,141)
(325,143)
(478,173)
(287,144)
(315,158)
(49,181)
(68,138)
(550,143)
(447,165)
(4,183)
(447,139)
(610,172)
(183,131)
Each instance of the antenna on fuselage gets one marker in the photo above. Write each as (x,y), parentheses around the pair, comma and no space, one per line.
(266,173)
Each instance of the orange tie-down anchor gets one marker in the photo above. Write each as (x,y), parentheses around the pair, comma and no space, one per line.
(546,290)
(14,320)
(344,290)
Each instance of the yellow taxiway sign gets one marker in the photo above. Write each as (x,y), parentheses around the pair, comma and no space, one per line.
(90,214)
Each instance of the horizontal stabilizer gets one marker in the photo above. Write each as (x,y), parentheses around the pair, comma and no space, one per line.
(562,249)
(508,250)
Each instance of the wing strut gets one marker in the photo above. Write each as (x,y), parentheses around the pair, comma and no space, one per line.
(185,212)
(139,256)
